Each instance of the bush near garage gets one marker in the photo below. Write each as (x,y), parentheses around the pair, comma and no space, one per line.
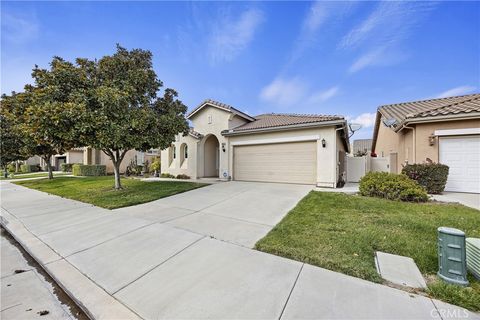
(67,167)
(392,186)
(89,170)
(25,168)
(432,176)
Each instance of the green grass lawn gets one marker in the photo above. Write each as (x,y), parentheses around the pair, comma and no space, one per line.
(99,191)
(33,175)
(341,233)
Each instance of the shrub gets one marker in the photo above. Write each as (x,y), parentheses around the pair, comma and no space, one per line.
(167,175)
(183,177)
(392,186)
(432,176)
(11,167)
(89,170)
(155,166)
(25,168)
(67,167)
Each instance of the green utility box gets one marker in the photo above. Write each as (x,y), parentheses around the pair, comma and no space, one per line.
(452,266)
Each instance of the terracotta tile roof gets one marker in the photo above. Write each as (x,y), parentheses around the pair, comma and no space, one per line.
(220,105)
(271,120)
(431,108)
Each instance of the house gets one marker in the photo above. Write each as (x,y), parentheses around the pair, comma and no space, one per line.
(229,144)
(445,130)
(87,155)
(362,146)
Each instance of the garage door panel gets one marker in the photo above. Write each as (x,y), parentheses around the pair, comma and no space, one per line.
(462,155)
(282,162)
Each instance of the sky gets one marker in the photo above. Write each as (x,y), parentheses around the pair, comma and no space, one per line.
(344,58)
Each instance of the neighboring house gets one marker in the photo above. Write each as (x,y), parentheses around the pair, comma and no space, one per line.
(445,130)
(228,144)
(362,146)
(86,155)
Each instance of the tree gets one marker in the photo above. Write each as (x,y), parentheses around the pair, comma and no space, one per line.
(11,139)
(48,111)
(123,111)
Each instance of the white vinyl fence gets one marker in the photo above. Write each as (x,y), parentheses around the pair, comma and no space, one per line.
(357,167)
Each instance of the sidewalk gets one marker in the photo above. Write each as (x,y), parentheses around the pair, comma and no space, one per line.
(119,267)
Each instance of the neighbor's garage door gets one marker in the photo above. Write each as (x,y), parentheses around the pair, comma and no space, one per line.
(294,162)
(462,155)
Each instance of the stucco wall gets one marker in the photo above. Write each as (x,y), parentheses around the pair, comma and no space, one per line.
(424,150)
(177,166)
(75,156)
(403,142)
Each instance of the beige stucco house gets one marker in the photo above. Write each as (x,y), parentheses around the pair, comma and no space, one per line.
(445,130)
(228,144)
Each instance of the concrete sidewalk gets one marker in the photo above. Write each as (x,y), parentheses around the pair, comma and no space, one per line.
(120,266)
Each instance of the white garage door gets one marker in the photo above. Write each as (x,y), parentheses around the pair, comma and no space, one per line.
(462,155)
(280,162)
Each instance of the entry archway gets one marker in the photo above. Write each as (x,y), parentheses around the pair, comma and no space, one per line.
(211,156)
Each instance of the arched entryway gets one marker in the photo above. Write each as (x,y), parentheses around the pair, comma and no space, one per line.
(211,156)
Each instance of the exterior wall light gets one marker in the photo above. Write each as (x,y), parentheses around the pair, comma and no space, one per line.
(324,143)
(223,146)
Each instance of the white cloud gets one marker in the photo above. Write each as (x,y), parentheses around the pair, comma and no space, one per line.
(384,30)
(19,29)
(457,91)
(367,120)
(284,92)
(231,36)
(317,15)
(321,96)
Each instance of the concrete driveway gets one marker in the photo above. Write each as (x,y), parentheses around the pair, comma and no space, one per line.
(143,263)
(237,212)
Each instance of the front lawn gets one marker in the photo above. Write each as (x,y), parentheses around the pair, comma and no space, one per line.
(341,233)
(33,175)
(99,191)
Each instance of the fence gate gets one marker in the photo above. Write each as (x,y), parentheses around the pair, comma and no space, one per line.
(356,168)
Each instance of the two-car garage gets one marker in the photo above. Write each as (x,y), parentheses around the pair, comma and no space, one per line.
(292,162)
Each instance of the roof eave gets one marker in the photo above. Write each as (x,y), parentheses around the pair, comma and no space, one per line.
(231,132)
(448,117)
(240,114)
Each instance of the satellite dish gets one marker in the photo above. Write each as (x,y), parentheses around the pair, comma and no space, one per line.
(389,122)
(353,128)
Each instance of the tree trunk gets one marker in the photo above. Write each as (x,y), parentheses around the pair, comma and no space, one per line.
(116,170)
(49,167)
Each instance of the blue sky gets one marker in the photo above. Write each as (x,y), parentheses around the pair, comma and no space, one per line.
(297,57)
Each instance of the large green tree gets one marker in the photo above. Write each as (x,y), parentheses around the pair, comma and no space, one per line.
(11,140)
(123,109)
(47,112)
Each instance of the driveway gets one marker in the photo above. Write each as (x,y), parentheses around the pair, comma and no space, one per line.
(237,212)
(146,264)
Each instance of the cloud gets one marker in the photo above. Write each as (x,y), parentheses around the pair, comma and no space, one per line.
(284,92)
(391,21)
(457,91)
(322,96)
(316,16)
(382,56)
(367,120)
(384,29)
(231,36)
(19,29)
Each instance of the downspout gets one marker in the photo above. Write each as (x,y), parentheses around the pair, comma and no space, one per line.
(336,155)
(414,142)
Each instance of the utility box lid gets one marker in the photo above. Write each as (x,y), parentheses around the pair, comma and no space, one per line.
(451,231)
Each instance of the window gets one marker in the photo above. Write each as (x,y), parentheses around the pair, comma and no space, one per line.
(185,152)
(174,152)
(209,118)
(152,152)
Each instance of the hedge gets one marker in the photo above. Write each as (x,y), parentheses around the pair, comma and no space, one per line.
(67,167)
(432,176)
(25,168)
(89,170)
(392,186)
